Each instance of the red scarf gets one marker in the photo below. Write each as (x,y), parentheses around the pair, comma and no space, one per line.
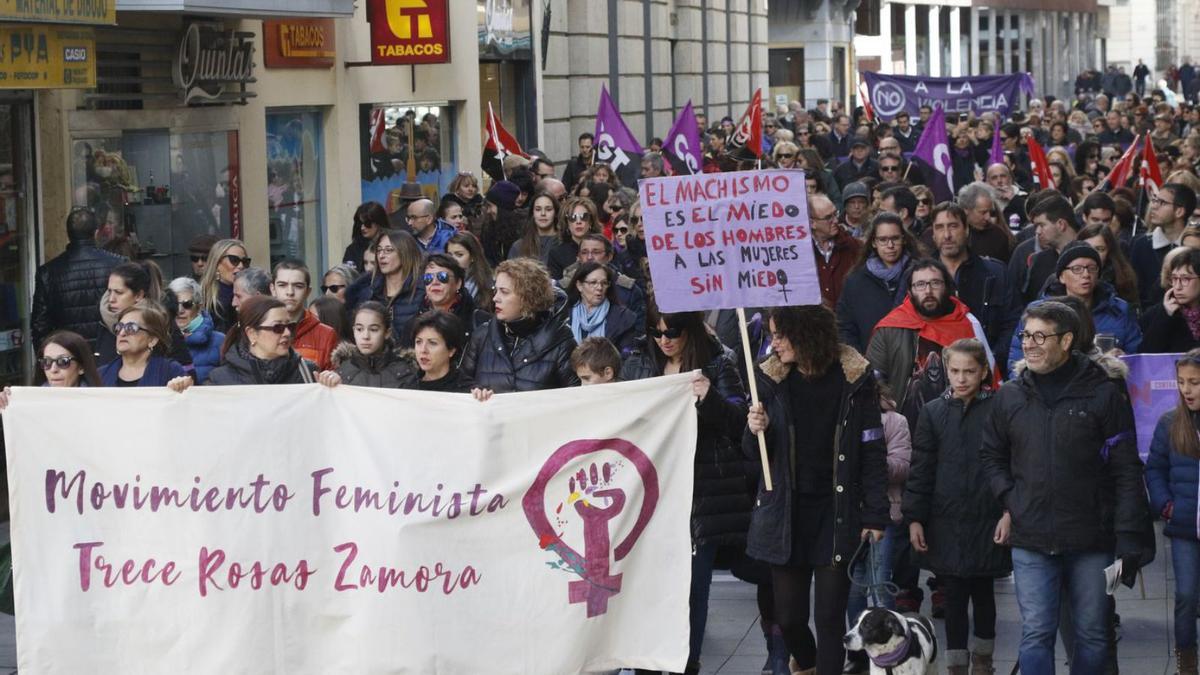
(943,330)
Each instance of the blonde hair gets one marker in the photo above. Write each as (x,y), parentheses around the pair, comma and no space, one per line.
(210,282)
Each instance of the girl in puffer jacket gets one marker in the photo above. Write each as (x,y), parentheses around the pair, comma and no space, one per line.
(372,360)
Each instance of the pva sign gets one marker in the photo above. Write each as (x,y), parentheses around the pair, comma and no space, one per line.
(409,31)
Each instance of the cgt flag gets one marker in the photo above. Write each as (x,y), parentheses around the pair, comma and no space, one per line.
(499,144)
(1039,164)
(1122,170)
(615,143)
(682,146)
(932,157)
(747,135)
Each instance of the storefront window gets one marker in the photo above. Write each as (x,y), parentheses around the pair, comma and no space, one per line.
(385,150)
(294,187)
(153,191)
(16,244)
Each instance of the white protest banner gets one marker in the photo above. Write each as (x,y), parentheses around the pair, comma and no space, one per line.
(299,529)
(729,240)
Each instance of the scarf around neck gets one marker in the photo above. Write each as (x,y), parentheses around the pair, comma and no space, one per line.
(585,323)
(888,275)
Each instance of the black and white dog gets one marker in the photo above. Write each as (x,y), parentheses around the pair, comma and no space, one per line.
(895,644)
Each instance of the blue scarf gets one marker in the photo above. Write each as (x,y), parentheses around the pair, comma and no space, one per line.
(194,324)
(888,275)
(587,324)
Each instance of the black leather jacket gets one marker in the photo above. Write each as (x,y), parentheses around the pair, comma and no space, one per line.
(68,289)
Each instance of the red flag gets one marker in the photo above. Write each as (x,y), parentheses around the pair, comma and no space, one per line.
(1151,174)
(748,133)
(865,96)
(1037,159)
(1123,169)
(499,145)
(378,128)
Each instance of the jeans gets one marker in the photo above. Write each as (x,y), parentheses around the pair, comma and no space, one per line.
(885,553)
(1041,580)
(1185,558)
(702,572)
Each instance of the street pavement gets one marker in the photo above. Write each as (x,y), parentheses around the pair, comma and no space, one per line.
(734,644)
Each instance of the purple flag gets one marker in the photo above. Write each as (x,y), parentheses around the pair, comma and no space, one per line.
(997,154)
(615,144)
(1152,391)
(893,94)
(932,155)
(682,145)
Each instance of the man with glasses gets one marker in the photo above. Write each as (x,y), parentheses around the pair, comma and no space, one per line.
(1168,214)
(905,133)
(599,249)
(68,288)
(834,249)
(1056,226)
(290,284)
(908,342)
(432,233)
(1060,454)
(198,249)
(1077,274)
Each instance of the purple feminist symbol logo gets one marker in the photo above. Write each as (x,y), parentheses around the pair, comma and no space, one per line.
(597,583)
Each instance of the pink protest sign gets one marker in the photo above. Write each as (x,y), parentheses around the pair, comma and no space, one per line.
(727,240)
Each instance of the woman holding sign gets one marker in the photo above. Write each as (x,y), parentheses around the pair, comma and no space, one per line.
(819,408)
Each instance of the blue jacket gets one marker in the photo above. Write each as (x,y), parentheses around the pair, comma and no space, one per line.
(159,371)
(404,307)
(1172,477)
(204,343)
(1110,313)
(441,237)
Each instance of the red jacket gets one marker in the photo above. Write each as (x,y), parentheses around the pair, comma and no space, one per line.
(832,274)
(315,341)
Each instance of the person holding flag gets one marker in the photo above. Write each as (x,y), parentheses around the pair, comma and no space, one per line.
(499,145)
(746,141)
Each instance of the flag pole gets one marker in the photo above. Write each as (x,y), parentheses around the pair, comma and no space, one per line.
(749,354)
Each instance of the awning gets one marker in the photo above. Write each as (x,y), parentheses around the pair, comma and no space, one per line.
(244,9)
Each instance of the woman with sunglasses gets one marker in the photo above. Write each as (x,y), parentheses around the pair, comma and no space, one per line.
(593,309)
(579,219)
(370,219)
(226,258)
(143,340)
(196,326)
(680,343)
(445,292)
(64,360)
(466,250)
(258,349)
(541,230)
(786,155)
(337,280)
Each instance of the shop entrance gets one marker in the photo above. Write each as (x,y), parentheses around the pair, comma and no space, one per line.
(18,241)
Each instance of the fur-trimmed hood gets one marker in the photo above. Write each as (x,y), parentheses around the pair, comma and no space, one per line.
(1112,366)
(347,351)
(854,365)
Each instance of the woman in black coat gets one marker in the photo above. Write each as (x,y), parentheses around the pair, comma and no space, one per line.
(820,412)
(873,288)
(594,309)
(258,348)
(523,348)
(956,524)
(680,343)
(1173,325)
(370,219)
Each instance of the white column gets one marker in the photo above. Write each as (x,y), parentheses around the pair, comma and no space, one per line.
(910,40)
(1022,64)
(955,42)
(994,42)
(885,36)
(1038,67)
(1054,78)
(973,53)
(935,46)
(1005,34)
(1075,38)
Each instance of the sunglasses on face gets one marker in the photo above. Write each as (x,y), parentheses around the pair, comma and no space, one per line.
(670,333)
(63,362)
(333,288)
(442,277)
(279,328)
(786,155)
(577,217)
(635,220)
(128,328)
(199,258)
(621,230)
(925,202)
(237,260)
(187,304)
(889,169)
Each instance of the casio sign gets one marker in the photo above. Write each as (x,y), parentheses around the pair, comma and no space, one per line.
(75,54)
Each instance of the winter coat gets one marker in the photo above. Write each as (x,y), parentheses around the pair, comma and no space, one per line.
(620,327)
(499,359)
(1067,470)
(1163,333)
(865,300)
(204,343)
(561,256)
(315,341)
(948,493)
(67,292)
(832,273)
(1110,314)
(1173,478)
(720,503)
(441,236)
(242,367)
(1147,262)
(404,306)
(463,308)
(860,467)
(984,287)
(389,369)
(898,440)
(159,371)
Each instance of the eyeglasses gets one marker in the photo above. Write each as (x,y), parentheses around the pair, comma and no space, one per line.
(1156,201)
(933,285)
(889,169)
(577,217)
(129,327)
(279,328)
(385,250)
(442,277)
(237,260)
(1183,278)
(333,288)
(823,219)
(889,241)
(1080,270)
(410,217)
(187,304)
(199,258)
(63,362)
(602,283)
(804,133)
(670,333)
(1038,338)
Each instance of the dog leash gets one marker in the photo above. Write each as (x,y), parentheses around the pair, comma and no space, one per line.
(873,588)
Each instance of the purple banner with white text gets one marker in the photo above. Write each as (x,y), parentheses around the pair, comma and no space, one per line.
(1152,391)
(893,94)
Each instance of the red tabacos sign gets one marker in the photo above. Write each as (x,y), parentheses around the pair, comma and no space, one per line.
(409,31)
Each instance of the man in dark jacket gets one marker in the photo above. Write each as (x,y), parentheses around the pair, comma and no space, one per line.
(859,166)
(577,165)
(1059,452)
(1054,218)
(1168,214)
(599,249)
(839,137)
(68,288)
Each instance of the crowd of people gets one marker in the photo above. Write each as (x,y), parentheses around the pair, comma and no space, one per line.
(956,404)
